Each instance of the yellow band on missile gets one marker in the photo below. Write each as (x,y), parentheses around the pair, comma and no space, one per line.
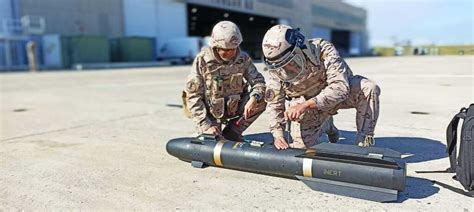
(307,167)
(217,153)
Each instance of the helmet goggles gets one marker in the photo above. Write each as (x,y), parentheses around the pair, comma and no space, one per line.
(290,69)
(290,65)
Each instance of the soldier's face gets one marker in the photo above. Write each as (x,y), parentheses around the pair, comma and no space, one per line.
(291,68)
(226,54)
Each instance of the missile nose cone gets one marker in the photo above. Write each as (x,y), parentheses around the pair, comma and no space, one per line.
(172,147)
(178,147)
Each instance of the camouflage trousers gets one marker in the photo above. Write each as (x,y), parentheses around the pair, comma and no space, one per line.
(363,96)
(236,125)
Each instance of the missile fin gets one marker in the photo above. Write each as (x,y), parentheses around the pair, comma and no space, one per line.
(351,190)
(198,164)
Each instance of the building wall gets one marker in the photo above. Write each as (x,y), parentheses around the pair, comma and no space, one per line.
(355,47)
(166,19)
(73,17)
(5,9)
(161,19)
(316,18)
(302,13)
(172,22)
(321,32)
(140,19)
(338,15)
(6,14)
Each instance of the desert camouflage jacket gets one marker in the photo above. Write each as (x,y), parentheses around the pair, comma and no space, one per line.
(327,84)
(214,87)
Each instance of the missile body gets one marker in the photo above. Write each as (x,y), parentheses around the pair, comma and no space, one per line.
(366,173)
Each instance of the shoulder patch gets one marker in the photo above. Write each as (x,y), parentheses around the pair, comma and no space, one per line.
(269,95)
(191,86)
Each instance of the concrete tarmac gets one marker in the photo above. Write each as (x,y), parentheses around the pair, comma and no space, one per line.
(95,140)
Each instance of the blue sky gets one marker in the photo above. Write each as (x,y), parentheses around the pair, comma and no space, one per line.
(420,21)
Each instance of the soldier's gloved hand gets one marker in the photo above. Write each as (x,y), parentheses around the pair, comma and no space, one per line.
(294,112)
(250,107)
(214,130)
(280,143)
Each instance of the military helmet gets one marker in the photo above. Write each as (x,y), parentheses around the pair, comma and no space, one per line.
(282,50)
(226,35)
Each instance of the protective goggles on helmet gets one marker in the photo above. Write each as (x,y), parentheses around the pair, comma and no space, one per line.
(291,70)
(296,40)
(290,63)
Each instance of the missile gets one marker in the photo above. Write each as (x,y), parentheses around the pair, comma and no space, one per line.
(367,173)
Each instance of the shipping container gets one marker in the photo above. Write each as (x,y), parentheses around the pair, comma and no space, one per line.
(13,53)
(132,49)
(85,49)
(65,51)
(52,52)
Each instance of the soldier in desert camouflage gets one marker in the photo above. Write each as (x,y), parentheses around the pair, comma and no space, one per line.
(318,82)
(217,90)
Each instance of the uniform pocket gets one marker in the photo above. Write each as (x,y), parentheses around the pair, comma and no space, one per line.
(233,105)
(217,107)
(236,82)
(214,84)
(217,89)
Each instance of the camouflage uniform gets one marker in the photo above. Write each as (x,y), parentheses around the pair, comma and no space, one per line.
(330,83)
(216,92)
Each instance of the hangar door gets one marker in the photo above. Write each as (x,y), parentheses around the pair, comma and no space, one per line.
(201,19)
(321,32)
(341,40)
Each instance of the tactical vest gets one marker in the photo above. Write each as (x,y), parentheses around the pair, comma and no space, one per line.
(311,85)
(224,85)
(316,80)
